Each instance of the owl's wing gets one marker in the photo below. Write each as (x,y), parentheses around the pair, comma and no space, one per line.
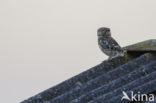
(110,44)
(114,45)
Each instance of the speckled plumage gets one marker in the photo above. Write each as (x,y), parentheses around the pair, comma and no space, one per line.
(107,44)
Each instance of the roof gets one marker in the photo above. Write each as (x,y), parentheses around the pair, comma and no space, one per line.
(104,83)
(149,45)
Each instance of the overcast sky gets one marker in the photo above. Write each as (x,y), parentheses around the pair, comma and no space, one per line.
(44,42)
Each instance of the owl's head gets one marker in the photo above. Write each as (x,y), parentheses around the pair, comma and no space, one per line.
(104,32)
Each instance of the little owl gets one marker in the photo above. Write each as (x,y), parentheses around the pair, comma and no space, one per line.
(107,44)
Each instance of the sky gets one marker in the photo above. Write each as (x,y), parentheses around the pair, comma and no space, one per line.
(44,42)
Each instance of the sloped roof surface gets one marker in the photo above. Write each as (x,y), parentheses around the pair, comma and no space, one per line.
(104,83)
(149,45)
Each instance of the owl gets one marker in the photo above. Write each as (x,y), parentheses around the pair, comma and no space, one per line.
(107,44)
